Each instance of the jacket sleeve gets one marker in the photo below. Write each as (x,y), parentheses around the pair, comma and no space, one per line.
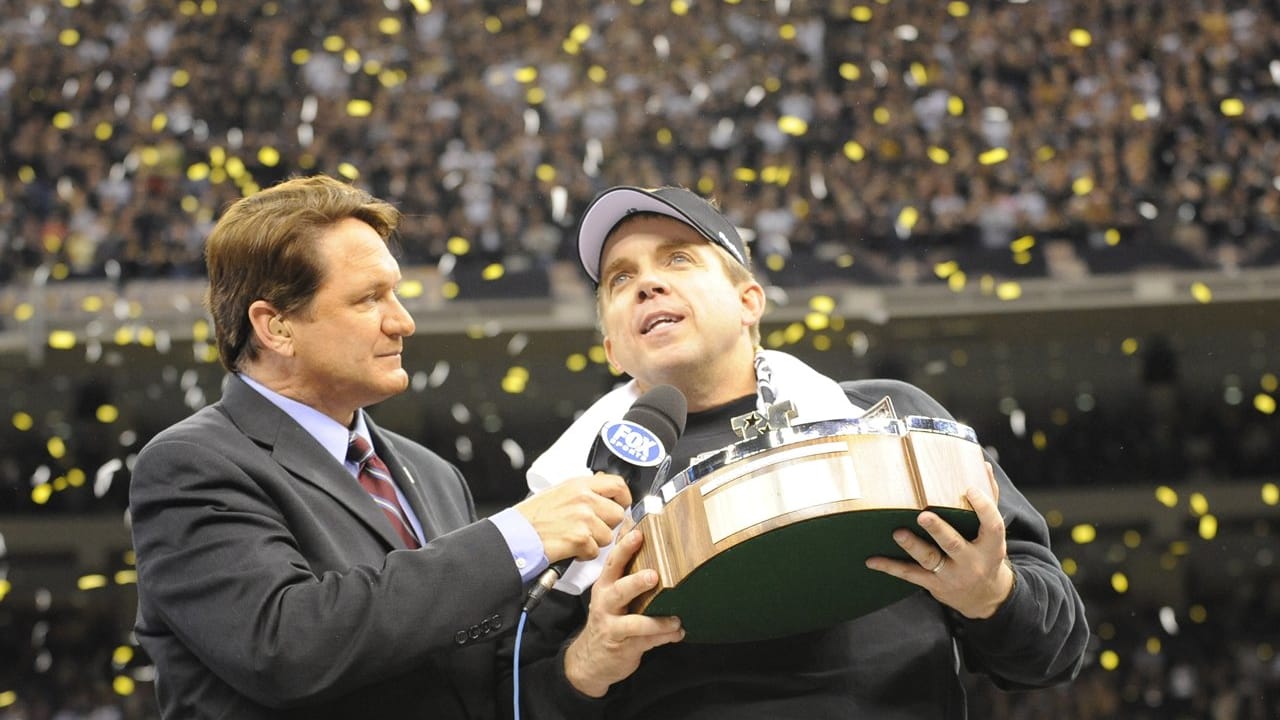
(1039,636)
(283,602)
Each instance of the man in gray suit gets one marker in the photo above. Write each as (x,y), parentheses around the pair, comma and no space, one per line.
(279,576)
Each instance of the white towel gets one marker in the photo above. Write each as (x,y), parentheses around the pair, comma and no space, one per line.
(815,396)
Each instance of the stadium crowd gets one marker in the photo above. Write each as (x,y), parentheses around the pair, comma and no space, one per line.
(840,132)
(859,140)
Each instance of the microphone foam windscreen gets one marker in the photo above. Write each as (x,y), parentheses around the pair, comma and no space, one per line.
(663,411)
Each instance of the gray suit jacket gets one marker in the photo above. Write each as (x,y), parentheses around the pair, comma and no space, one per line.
(269,584)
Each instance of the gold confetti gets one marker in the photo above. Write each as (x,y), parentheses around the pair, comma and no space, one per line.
(1009,290)
(91,582)
(822,303)
(62,339)
(1201,293)
(1084,534)
(1208,527)
(121,656)
(1080,38)
(1270,493)
(123,685)
(994,156)
(1120,583)
(816,321)
(493,271)
(410,289)
(919,74)
(359,108)
(792,125)
(1232,107)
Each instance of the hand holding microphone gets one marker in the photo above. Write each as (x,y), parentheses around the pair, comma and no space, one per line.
(642,438)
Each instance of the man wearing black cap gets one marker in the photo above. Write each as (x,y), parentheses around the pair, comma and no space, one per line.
(678,305)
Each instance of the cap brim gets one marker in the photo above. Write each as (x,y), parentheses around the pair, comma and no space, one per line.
(607,211)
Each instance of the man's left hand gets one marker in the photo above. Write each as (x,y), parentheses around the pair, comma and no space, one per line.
(973,578)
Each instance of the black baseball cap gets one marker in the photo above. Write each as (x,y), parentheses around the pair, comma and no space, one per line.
(613,205)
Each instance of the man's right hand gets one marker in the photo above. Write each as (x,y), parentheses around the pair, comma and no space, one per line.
(609,648)
(575,518)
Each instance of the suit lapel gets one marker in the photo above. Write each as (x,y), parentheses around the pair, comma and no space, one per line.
(300,454)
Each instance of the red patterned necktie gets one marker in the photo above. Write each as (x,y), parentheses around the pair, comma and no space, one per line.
(376,480)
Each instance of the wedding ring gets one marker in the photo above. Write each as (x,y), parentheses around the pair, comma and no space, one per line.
(942,560)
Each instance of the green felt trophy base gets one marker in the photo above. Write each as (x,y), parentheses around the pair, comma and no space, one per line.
(804,576)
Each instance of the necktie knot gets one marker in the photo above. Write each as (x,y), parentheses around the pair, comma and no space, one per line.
(375,478)
(359,450)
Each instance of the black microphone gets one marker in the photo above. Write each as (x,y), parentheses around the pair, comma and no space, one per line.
(643,438)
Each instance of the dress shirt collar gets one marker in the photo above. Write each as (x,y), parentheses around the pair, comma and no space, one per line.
(331,434)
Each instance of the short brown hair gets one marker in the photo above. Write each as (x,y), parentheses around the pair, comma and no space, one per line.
(264,248)
(737,272)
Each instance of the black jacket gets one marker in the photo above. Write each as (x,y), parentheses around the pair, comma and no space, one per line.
(902,661)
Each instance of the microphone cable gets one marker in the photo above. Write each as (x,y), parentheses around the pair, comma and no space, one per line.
(515,664)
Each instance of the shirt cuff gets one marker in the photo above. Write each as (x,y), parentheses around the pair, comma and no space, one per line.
(522,541)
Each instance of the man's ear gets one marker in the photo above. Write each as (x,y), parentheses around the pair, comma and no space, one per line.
(753,300)
(271,328)
(608,353)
